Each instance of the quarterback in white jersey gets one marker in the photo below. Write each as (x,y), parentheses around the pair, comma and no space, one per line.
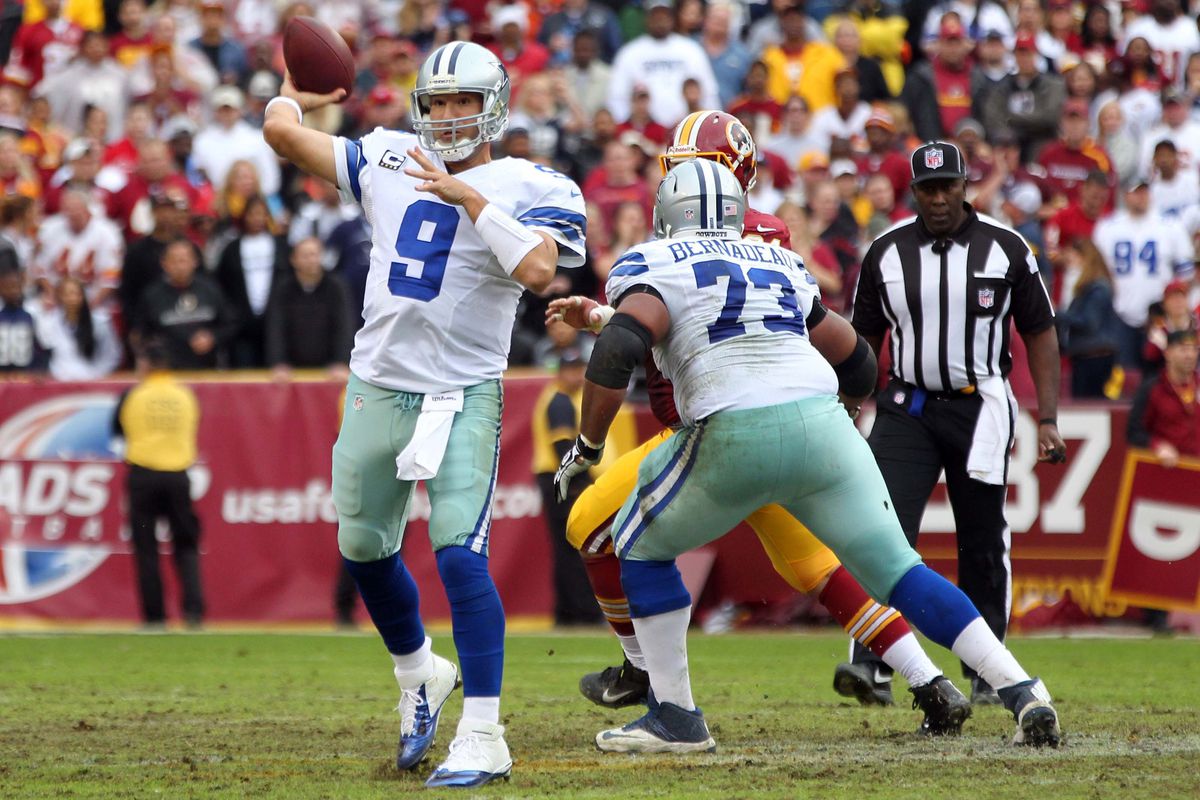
(456,238)
(725,297)
(1144,251)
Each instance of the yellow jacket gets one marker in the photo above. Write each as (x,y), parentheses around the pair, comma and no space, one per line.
(808,73)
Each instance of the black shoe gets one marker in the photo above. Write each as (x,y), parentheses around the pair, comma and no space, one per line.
(1037,721)
(945,707)
(616,687)
(866,682)
(982,694)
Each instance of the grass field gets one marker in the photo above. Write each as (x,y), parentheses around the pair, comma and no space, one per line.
(309,716)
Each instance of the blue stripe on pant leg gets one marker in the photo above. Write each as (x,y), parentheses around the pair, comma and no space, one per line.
(642,492)
(692,446)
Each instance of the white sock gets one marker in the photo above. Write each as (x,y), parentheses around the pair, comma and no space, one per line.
(906,657)
(413,669)
(664,643)
(485,709)
(980,650)
(633,651)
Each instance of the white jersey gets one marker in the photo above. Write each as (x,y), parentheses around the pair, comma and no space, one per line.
(439,309)
(738,336)
(1173,43)
(1144,254)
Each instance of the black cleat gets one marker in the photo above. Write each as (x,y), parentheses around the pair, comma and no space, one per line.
(982,694)
(1037,721)
(616,687)
(945,707)
(865,682)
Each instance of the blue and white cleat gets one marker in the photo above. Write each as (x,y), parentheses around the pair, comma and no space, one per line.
(665,728)
(420,707)
(478,755)
(1037,721)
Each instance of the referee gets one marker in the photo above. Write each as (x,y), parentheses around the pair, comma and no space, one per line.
(945,286)
(158,418)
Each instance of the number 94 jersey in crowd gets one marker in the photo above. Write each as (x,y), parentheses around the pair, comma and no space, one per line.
(739,335)
(439,308)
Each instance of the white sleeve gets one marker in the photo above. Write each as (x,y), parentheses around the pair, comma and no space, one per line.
(630,270)
(807,291)
(268,166)
(351,167)
(1185,253)
(620,84)
(556,208)
(708,79)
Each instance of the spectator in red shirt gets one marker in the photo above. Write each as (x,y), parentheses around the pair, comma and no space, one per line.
(614,182)
(1166,416)
(123,153)
(45,47)
(641,121)
(130,207)
(132,42)
(520,53)
(170,95)
(938,92)
(1078,218)
(1176,316)
(883,156)
(1073,156)
(1097,44)
(755,107)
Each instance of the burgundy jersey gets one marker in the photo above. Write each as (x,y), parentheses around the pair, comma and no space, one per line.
(758,227)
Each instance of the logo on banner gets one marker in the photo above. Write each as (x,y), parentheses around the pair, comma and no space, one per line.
(52,516)
(987,298)
(934,158)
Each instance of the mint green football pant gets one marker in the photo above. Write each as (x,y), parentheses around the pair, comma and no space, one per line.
(373,505)
(805,455)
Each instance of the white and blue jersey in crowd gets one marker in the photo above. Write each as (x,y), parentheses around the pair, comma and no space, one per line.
(733,305)
(439,309)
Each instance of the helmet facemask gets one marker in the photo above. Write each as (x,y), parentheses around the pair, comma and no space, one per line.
(486,126)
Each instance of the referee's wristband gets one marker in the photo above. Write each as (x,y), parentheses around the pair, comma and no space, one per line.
(1048,421)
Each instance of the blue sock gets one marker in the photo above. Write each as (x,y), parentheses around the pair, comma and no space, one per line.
(477,618)
(653,587)
(390,595)
(933,605)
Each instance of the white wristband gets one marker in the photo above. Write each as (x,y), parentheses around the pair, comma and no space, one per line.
(508,239)
(287,101)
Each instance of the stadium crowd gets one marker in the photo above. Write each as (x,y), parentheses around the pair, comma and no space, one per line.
(139,196)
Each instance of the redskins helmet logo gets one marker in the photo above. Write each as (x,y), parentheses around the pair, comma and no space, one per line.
(739,139)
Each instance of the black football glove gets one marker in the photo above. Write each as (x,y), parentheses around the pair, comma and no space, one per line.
(580,458)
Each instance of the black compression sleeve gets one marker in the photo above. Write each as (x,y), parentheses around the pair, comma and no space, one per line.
(856,375)
(623,344)
(814,317)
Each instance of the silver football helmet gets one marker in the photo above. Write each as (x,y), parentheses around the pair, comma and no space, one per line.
(699,198)
(461,67)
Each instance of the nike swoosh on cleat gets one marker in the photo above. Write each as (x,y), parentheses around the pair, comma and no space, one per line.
(613,698)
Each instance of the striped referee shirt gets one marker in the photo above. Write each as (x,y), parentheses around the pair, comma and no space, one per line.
(947,303)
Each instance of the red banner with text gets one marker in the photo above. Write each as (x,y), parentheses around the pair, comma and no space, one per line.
(1154,556)
(269,543)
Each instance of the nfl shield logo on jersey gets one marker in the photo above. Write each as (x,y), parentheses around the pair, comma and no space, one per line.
(933,158)
(987,298)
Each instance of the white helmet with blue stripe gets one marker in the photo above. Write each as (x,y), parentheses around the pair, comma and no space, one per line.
(699,198)
(450,69)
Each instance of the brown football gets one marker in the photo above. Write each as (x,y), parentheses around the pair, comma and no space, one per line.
(317,57)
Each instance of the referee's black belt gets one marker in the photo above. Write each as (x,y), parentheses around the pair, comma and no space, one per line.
(917,397)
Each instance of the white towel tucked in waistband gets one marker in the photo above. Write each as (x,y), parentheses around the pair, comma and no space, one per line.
(989,447)
(422,458)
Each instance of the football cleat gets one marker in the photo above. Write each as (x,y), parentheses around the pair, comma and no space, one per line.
(478,755)
(420,708)
(665,728)
(1037,721)
(982,694)
(865,682)
(945,707)
(616,687)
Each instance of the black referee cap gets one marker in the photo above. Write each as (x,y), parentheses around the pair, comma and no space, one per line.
(937,161)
